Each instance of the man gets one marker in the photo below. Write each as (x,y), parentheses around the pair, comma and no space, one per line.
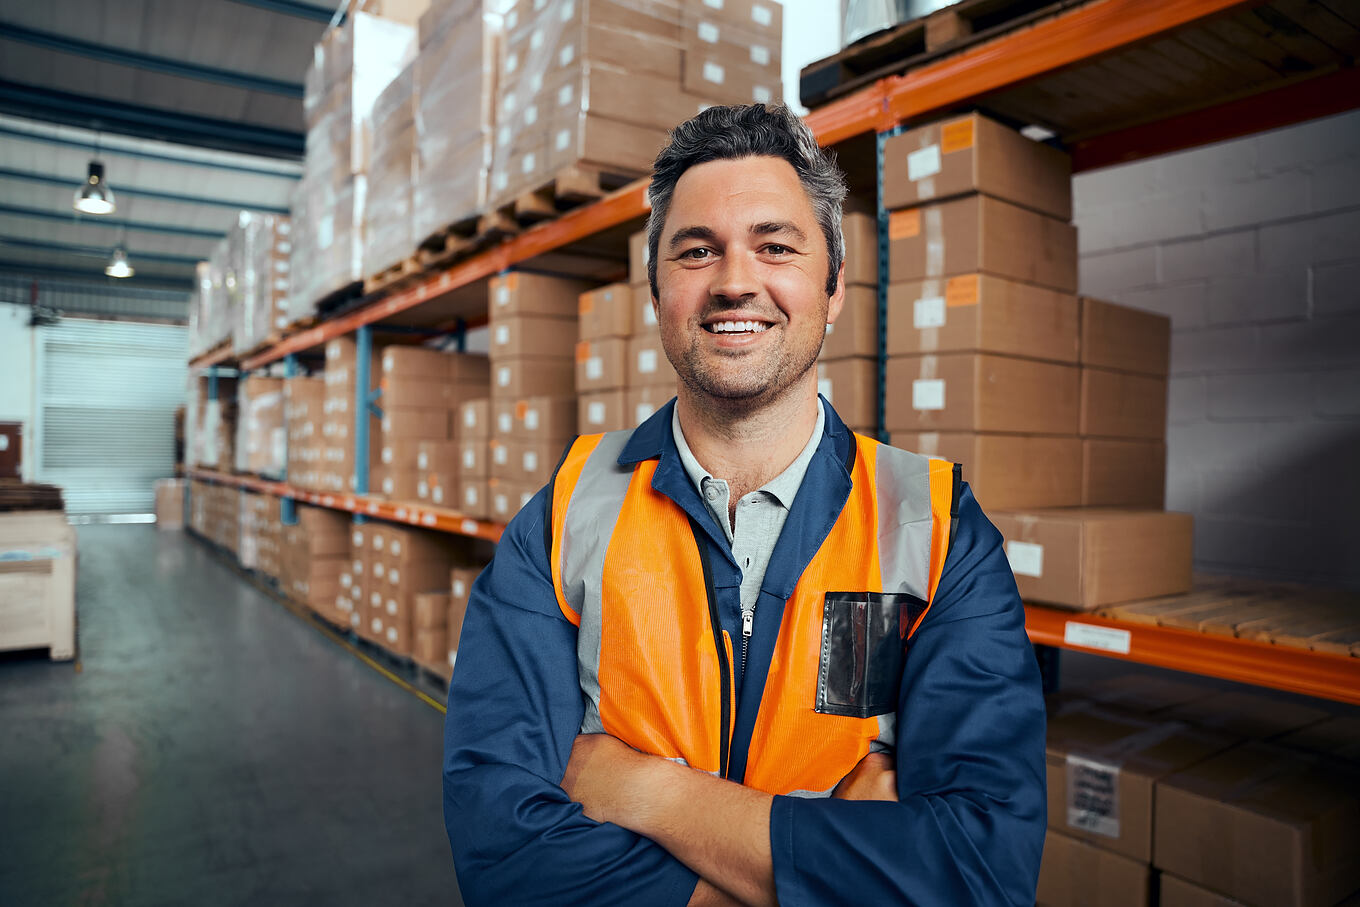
(739,654)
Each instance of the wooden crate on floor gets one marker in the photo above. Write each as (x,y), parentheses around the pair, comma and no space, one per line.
(38,582)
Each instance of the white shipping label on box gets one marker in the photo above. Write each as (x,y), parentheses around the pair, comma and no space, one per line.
(379,570)
(511,62)
(530,460)
(566,95)
(1093,796)
(1105,639)
(500,454)
(563,140)
(1027,558)
(531,115)
(392,606)
(505,423)
(713,73)
(568,10)
(469,459)
(824,388)
(567,54)
(459,588)
(376,625)
(503,376)
(760,55)
(470,417)
(595,412)
(642,413)
(923,163)
(502,295)
(531,419)
(396,547)
(928,312)
(708,32)
(761,95)
(595,368)
(646,361)
(387,455)
(502,334)
(394,576)
(453,658)
(761,15)
(423,490)
(392,634)
(470,496)
(423,460)
(437,494)
(927,393)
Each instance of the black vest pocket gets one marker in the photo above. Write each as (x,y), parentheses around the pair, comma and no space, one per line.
(864,648)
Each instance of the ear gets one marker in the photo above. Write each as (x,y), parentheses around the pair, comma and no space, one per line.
(837,300)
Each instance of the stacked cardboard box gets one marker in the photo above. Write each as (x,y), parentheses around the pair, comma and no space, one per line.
(529,438)
(259,247)
(337,471)
(389,221)
(421,390)
(438,619)
(313,554)
(215,513)
(470,488)
(304,401)
(169,503)
(262,437)
(455,101)
(389,567)
(847,372)
(261,534)
(1174,788)
(594,85)
(212,423)
(622,372)
(351,66)
(210,321)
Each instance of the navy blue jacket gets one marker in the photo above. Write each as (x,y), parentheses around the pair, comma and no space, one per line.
(969,825)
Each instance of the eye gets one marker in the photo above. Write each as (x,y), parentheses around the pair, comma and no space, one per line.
(777,249)
(698,253)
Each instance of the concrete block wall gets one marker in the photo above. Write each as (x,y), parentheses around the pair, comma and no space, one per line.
(1252,247)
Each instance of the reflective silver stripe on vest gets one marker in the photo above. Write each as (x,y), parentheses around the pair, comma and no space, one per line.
(592,514)
(905,529)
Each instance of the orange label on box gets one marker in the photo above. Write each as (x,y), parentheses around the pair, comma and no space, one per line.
(961,290)
(904,224)
(512,280)
(522,407)
(957,136)
(582,351)
(586,304)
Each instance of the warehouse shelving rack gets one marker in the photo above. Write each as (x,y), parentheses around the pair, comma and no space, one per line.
(1082,74)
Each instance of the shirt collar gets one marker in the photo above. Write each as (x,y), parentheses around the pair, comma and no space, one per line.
(782,487)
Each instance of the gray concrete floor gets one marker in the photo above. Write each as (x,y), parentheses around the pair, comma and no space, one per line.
(212,749)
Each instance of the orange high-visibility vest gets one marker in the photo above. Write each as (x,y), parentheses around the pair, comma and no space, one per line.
(654,663)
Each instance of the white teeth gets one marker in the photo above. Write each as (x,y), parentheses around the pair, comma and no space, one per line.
(738,327)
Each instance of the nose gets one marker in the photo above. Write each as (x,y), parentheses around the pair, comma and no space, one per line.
(735,277)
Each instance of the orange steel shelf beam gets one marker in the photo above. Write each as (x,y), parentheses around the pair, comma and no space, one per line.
(1303,671)
(614,209)
(1073,37)
(218,356)
(412,514)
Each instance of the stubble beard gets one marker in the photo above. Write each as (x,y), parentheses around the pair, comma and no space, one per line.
(738,387)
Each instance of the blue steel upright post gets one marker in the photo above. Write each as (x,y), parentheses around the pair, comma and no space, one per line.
(364,340)
(288,504)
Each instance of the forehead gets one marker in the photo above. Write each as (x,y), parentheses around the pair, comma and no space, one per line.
(753,189)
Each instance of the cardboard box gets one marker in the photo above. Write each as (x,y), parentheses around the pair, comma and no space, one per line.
(1176,892)
(1263,824)
(473,459)
(637,259)
(860,231)
(416,393)
(1338,737)
(399,454)
(731,81)
(1141,693)
(429,609)
(415,362)
(644,402)
(397,484)
(473,421)
(169,503)
(538,336)
(970,154)
(606,312)
(851,386)
(1076,874)
(981,392)
(1121,405)
(602,364)
(523,293)
(644,313)
(472,497)
(518,378)
(1124,339)
(977,234)
(981,313)
(855,332)
(507,497)
(1123,473)
(647,363)
(545,419)
(1007,471)
(603,411)
(1247,715)
(1086,558)
(429,644)
(438,456)
(501,456)
(415,425)
(1102,768)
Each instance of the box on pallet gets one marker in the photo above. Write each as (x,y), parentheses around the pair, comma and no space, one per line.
(1074,872)
(1007,471)
(982,392)
(855,332)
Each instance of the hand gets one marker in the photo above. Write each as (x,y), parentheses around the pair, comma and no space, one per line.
(873,779)
(595,774)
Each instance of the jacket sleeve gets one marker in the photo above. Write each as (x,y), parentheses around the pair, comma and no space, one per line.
(968,827)
(514,709)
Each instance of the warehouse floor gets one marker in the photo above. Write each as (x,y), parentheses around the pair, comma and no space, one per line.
(210,748)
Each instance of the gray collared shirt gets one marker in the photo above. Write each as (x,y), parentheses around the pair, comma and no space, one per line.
(760,515)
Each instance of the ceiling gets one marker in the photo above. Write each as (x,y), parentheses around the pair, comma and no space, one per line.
(193,106)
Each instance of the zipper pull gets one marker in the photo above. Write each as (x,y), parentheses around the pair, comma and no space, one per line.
(748,621)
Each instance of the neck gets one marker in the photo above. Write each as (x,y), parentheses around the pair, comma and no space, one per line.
(748,445)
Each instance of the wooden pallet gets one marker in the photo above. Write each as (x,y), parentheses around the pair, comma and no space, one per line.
(16,496)
(338,299)
(1283,614)
(568,188)
(450,242)
(897,49)
(394,276)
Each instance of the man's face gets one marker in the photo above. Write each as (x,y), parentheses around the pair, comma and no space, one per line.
(741,269)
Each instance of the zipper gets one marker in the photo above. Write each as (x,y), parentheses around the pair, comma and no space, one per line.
(724,658)
(748,620)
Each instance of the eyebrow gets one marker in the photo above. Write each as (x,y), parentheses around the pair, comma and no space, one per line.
(768,228)
(688,233)
(771,227)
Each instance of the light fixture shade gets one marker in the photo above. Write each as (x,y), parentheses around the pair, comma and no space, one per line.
(94,195)
(118,265)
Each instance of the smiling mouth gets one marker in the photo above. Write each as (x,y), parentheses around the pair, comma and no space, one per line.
(737,327)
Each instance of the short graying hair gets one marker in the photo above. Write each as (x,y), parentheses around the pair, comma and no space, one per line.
(752,130)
